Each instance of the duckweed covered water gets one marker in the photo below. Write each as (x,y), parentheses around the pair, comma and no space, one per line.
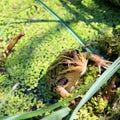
(44,39)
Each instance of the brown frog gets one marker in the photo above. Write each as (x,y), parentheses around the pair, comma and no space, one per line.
(67,70)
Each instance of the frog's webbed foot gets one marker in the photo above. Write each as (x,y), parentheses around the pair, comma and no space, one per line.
(101,63)
(98,61)
(64,93)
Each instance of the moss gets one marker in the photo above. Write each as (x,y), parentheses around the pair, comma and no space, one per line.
(108,45)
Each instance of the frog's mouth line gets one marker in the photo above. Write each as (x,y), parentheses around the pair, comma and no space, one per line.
(84,68)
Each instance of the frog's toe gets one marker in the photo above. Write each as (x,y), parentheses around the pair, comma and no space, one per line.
(108,62)
(62,91)
(104,63)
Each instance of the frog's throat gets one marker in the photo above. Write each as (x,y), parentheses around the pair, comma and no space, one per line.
(84,68)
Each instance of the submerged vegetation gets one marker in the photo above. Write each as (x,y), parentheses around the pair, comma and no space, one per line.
(96,22)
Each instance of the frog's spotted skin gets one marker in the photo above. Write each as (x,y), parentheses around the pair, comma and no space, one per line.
(68,68)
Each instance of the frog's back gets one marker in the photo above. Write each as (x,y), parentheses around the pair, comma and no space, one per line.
(55,68)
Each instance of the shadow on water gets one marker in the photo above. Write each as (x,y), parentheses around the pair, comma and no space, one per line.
(44,94)
(32,20)
(24,59)
(100,12)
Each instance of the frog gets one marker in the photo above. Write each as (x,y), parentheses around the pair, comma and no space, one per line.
(67,69)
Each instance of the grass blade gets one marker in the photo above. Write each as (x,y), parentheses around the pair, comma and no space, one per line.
(5,27)
(58,115)
(41,111)
(82,42)
(96,86)
(10,92)
(10,21)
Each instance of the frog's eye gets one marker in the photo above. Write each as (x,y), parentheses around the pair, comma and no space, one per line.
(73,52)
(63,81)
(77,51)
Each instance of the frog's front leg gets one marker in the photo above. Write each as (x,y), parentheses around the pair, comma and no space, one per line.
(98,60)
(64,93)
